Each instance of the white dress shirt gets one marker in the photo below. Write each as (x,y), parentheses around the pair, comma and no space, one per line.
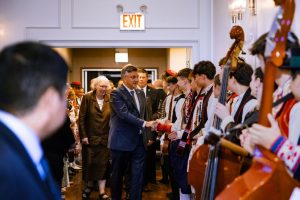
(27,137)
(176,126)
(100,103)
(294,125)
(249,106)
(144,90)
(135,97)
(136,101)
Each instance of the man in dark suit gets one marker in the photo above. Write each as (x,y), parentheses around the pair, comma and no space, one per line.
(156,98)
(33,79)
(127,136)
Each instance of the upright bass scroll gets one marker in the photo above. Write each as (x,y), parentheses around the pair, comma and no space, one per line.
(268,177)
(210,179)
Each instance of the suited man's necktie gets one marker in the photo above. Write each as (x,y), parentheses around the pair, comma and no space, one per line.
(48,179)
(134,100)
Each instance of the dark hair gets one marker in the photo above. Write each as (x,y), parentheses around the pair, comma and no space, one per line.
(27,70)
(168,73)
(205,67)
(259,46)
(185,72)
(141,70)
(258,73)
(217,80)
(294,74)
(172,79)
(127,69)
(242,74)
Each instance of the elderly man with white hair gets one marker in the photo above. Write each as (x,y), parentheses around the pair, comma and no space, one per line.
(94,118)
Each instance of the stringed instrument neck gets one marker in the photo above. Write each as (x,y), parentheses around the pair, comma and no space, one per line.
(275,54)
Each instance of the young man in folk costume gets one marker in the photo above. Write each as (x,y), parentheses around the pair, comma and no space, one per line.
(180,162)
(282,79)
(203,75)
(174,103)
(239,81)
(175,131)
(287,148)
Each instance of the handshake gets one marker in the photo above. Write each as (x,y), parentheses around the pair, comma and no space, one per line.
(152,125)
(158,126)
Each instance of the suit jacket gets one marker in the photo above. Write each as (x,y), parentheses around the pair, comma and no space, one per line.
(93,122)
(157,96)
(126,121)
(19,178)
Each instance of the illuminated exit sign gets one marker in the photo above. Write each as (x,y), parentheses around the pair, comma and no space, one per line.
(132,22)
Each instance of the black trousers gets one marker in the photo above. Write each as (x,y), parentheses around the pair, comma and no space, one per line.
(150,165)
(120,160)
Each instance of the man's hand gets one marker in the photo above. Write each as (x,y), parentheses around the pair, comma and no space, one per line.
(85,140)
(222,111)
(154,125)
(151,124)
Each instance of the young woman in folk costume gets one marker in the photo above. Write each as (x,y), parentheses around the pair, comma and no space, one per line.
(283,80)
(287,148)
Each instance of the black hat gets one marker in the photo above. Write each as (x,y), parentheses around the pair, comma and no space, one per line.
(294,63)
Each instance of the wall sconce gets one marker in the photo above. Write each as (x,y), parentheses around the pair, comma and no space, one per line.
(143,8)
(236,9)
(121,55)
(252,7)
(120,8)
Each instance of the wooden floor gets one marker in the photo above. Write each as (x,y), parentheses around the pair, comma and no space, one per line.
(157,191)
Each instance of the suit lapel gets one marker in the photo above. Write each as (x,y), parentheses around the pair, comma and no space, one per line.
(141,97)
(128,98)
(149,91)
(14,142)
(95,102)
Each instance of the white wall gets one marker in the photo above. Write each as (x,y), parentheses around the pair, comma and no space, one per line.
(254,26)
(203,25)
(94,23)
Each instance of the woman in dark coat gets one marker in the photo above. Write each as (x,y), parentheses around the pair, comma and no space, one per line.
(94,118)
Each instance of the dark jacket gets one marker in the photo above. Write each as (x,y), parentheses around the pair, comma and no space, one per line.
(93,122)
(19,178)
(126,122)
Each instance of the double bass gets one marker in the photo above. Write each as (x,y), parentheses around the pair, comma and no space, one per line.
(213,167)
(268,176)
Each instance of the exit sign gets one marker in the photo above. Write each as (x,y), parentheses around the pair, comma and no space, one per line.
(132,22)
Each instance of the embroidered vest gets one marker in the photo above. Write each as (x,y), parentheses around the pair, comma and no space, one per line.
(239,113)
(174,117)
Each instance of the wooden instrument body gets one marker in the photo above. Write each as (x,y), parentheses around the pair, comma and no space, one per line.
(229,167)
(266,179)
(221,169)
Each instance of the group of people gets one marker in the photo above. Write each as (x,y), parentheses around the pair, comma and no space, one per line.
(118,128)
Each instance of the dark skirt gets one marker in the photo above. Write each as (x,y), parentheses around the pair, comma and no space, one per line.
(94,162)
